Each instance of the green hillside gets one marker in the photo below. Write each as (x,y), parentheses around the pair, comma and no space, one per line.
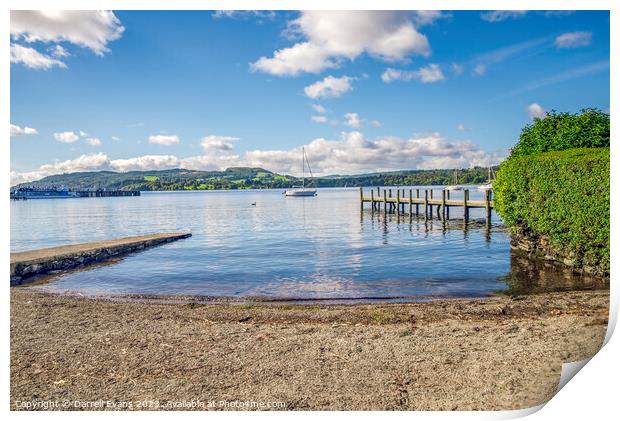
(244,178)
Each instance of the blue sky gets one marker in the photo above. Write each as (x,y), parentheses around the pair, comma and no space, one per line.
(362,91)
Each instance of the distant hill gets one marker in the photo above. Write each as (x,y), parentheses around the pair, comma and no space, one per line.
(244,178)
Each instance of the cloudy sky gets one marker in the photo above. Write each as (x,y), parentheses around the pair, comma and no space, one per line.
(362,91)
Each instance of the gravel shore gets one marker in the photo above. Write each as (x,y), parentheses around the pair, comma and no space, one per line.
(500,353)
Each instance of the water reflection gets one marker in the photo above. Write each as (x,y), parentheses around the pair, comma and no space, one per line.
(529,276)
(309,248)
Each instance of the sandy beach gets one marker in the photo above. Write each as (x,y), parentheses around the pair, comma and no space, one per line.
(500,353)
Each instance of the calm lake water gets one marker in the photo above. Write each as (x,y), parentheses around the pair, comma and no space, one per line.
(303,248)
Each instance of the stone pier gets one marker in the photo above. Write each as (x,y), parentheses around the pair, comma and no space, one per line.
(29,264)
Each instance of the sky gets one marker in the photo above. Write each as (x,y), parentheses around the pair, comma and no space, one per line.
(360,91)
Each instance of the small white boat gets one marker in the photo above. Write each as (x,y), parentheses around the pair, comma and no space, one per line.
(488,185)
(454,186)
(301,191)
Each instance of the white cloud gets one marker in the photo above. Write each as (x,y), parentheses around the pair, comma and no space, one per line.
(85,28)
(351,153)
(329,87)
(210,162)
(93,141)
(244,14)
(221,143)
(83,133)
(425,17)
(32,59)
(66,137)
(319,118)
(483,61)
(319,108)
(353,120)
(536,111)
(146,162)
(331,37)
(83,163)
(501,15)
(165,140)
(557,13)
(375,123)
(98,162)
(116,138)
(302,57)
(574,39)
(457,69)
(21,131)
(480,69)
(571,74)
(429,74)
(462,128)
(58,51)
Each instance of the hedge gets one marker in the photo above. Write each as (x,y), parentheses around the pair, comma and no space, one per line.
(561,131)
(562,195)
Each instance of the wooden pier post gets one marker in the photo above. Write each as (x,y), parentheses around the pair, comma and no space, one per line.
(398,201)
(417,205)
(431,206)
(410,202)
(443,205)
(372,200)
(384,201)
(487,203)
(448,207)
(362,199)
(426,204)
(465,208)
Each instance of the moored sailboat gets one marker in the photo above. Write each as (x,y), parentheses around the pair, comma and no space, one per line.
(454,186)
(489,184)
(296,191)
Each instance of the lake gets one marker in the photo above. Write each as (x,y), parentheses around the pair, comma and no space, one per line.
(308,248)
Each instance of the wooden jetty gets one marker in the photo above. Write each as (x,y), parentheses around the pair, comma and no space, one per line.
(29,264)
(106,193)
(53,194)
(427,198)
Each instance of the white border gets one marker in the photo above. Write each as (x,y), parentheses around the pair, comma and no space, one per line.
(592,394)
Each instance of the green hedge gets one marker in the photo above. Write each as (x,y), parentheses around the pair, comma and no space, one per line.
(563,195)
(562,131)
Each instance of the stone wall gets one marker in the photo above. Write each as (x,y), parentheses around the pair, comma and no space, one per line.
(542,248)
(27,269)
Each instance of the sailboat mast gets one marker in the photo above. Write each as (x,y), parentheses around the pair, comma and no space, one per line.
(303,167)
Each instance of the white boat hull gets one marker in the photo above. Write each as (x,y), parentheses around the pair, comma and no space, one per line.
(454,188)
(300,192)
(484,187)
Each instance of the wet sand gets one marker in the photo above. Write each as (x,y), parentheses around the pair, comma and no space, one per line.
(499,353)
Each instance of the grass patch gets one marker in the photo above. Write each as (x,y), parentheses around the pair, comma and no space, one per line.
(383,317)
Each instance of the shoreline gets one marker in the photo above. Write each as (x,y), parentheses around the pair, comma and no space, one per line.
(39,287)
(499,353)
